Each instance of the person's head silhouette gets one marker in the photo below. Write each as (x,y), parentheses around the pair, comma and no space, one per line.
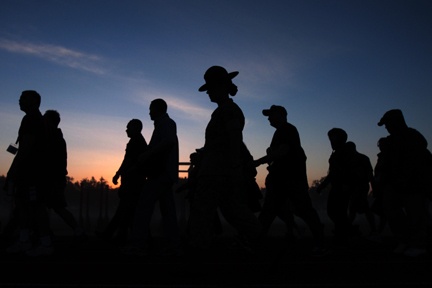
(337,137)
(277,115)
(393,120)
(219,85)
(158,108)
(29,101)
(134,128)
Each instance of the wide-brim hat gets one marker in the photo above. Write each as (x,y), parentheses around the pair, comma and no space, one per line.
(215,76)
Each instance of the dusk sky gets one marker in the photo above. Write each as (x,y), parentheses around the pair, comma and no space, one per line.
(100,63)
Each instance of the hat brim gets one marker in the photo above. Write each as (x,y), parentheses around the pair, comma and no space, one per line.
(231,75)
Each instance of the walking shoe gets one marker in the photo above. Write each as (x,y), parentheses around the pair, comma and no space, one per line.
(40,251)
(19,247)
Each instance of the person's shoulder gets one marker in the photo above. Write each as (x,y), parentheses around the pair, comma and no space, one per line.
(230,110)
(59,133)
(290,127)
(415,135)
(364,159)
(230,105)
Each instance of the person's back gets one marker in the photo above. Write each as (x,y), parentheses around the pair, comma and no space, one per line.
(164,148)
(130,174)
(56,150)
(292,165)
(31,151)
(407,158)
(226,120)
(341,168)
(364,173)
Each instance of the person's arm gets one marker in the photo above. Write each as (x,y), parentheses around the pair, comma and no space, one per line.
(125,165)
(273,154)
(26,144)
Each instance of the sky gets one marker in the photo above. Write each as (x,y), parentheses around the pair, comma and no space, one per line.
(329,63)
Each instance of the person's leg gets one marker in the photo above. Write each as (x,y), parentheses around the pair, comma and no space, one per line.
(23,243)
(169,214)
(395,215)
(337,209)
(202,212)
(140,233)
(303,208)
(276,204)
(417,212)
(40,214)
(268,212)
(234,208)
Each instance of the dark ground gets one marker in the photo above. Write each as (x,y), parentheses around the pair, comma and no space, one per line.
(95,263)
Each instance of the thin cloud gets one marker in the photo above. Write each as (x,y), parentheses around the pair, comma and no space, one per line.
(56,54)
(177,104)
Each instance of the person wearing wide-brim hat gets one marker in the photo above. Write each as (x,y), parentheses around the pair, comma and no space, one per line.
(220,177)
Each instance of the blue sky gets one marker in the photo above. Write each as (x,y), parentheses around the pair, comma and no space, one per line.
(100,63)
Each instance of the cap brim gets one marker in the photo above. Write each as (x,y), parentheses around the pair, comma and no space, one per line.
(381,122)
(266,112)
(233,74)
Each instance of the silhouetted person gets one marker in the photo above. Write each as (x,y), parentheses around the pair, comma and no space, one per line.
(407,171)
(221,175)
(132,181)
(191,186)
(340,176)
(56,165)
(161,161)
(378,184)
(286,182)
(27,175)
(363,175)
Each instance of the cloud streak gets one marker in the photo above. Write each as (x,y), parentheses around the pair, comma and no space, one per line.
(56,54)
(176,104)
